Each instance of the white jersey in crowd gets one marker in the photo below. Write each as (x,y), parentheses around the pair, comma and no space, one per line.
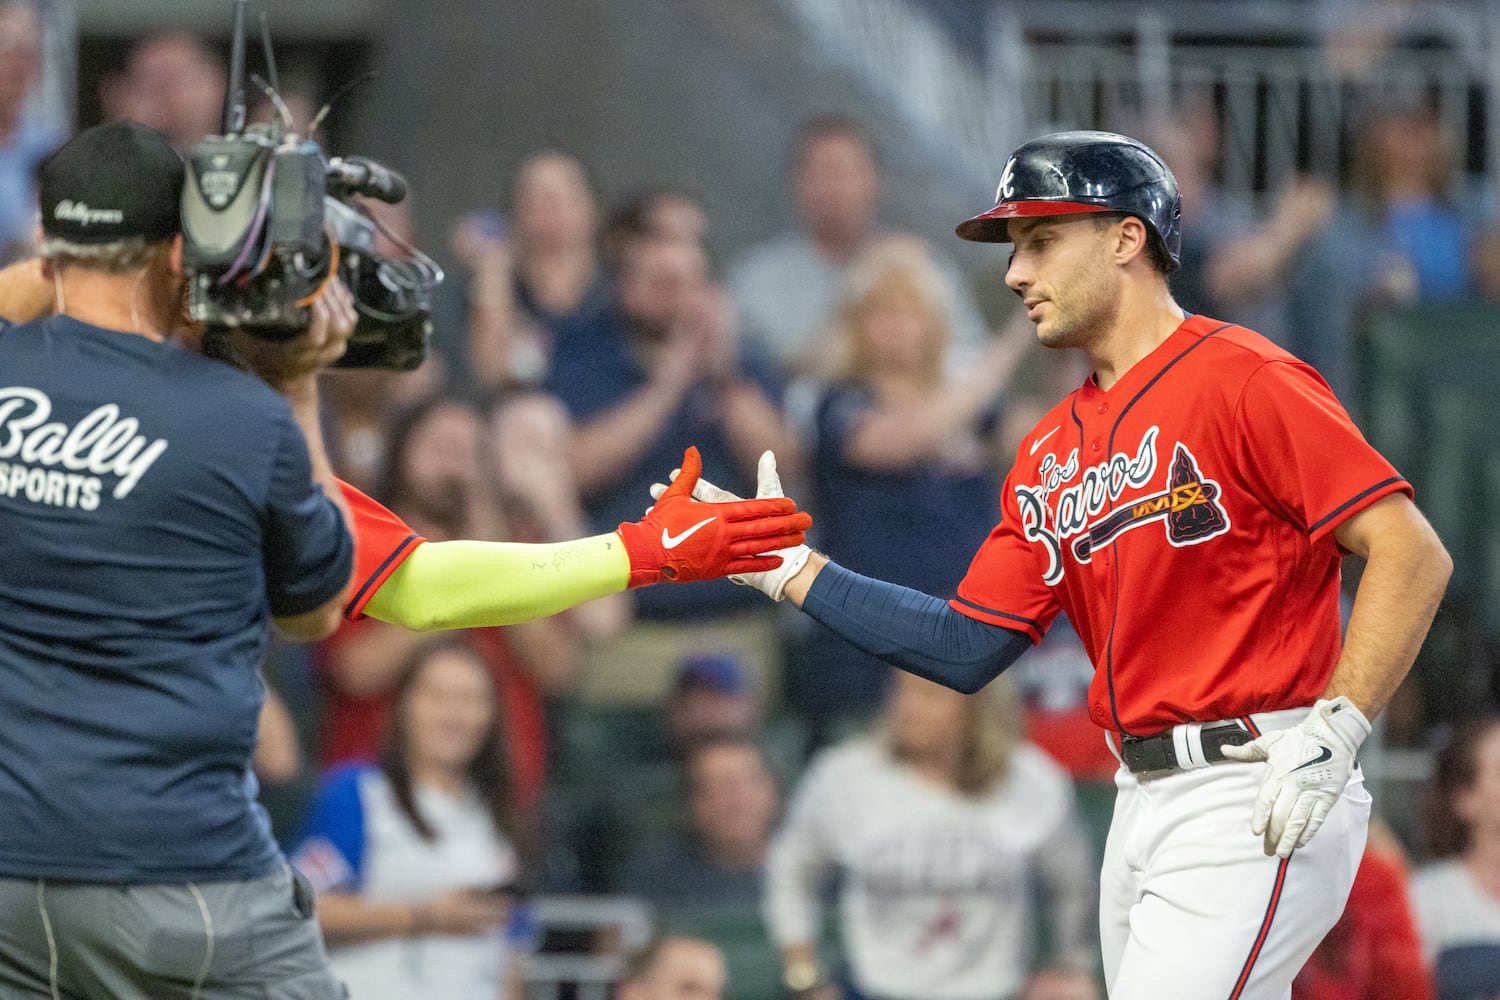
(396,865)
(1452,910)
(936,898)
(789,293)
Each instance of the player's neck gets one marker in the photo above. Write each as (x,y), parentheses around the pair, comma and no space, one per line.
(1147,317)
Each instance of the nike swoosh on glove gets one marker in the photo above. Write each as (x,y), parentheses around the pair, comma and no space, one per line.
(1309,766)
(770,582)
(683,539)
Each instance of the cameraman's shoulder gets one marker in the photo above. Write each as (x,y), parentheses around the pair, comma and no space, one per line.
(230,385)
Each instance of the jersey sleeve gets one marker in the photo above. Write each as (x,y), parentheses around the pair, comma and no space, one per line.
(1004,585)
(1301,453)
(306,549)
(382,541)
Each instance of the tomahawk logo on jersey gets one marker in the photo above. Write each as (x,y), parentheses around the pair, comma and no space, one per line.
(1184,521)
(1050,515)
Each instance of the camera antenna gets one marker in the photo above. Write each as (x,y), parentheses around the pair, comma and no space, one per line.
(337,96)
(234,94)
(285,113)
(265,44)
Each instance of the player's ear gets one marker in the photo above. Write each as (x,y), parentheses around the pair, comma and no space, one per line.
(1132,239)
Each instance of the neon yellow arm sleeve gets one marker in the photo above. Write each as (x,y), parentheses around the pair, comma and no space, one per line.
(444,585)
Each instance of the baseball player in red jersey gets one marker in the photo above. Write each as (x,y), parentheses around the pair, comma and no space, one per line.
(1188,507)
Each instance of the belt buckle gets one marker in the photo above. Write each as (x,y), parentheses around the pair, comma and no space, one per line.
(1149,754)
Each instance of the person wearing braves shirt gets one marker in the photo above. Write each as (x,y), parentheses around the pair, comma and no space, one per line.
(158,509)
(1187,507)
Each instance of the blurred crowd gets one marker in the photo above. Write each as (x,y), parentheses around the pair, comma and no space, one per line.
(780,800)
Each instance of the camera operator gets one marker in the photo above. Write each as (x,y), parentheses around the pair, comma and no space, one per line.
(158,508)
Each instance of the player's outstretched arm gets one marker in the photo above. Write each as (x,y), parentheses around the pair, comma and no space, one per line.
(465,584)
(906,628)
(1406,571)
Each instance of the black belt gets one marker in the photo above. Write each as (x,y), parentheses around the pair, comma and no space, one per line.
(1148,754)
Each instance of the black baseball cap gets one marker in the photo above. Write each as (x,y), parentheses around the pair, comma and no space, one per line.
(112,182)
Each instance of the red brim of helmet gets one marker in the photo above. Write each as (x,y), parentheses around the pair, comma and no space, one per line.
(991,226)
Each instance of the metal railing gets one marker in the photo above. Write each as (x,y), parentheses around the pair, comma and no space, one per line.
(1283,105)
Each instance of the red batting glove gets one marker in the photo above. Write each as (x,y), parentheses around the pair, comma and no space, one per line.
(683,539)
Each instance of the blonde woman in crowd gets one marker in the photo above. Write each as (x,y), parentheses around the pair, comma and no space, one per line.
(941,826)
(898,439)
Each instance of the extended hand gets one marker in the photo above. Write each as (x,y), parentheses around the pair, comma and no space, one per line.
(1309,765)
(682,538)
(771,582)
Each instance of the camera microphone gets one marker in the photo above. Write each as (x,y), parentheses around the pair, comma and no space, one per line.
(364,176)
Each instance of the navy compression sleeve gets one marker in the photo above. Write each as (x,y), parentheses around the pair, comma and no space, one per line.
(911,630)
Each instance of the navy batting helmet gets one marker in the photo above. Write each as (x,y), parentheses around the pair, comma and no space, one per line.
(1071,172)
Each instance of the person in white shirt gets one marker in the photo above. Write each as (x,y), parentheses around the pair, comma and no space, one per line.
(1457,896)
(788,288)
(416,859)
(941,825)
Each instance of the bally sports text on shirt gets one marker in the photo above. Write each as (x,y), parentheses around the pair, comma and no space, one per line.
(55,464)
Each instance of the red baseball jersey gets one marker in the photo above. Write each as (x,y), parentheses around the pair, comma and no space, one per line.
(1183,519)
(382,541)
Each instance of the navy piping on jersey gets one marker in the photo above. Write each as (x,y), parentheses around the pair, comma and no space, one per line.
(1354,500)
(1029,622)
(370,581)
(1109,645)
(1265,930)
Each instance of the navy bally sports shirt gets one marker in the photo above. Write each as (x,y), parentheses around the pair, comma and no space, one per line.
(156,508)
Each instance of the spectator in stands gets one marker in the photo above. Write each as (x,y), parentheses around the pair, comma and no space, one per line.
(1404,237)
(661,212)
(626,778)
(1227,252)
(539,274)
(718,861)
(416,859)
(1373,952)
(24,141)
(175,83)
(939,826)
(1457,896)
(899,440)
(675,968)
(660,369)
(788,288)
(706,879)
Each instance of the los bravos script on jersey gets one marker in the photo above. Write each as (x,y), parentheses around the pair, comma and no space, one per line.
(54,463)
(1054,514)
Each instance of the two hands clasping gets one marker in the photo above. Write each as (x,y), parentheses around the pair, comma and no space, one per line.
(790,556)
(696,531)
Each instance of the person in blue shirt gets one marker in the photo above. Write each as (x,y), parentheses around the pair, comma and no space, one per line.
(160,509)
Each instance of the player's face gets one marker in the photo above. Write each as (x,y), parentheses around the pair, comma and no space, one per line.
(448,710)
(1063,271)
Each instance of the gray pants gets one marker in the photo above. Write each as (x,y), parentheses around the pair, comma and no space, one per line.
(184,941)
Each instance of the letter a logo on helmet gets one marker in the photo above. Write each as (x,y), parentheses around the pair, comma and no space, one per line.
(1006,188)
(1068,173)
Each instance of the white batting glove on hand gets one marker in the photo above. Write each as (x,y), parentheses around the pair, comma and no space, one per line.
(771,582)
(1309,765)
